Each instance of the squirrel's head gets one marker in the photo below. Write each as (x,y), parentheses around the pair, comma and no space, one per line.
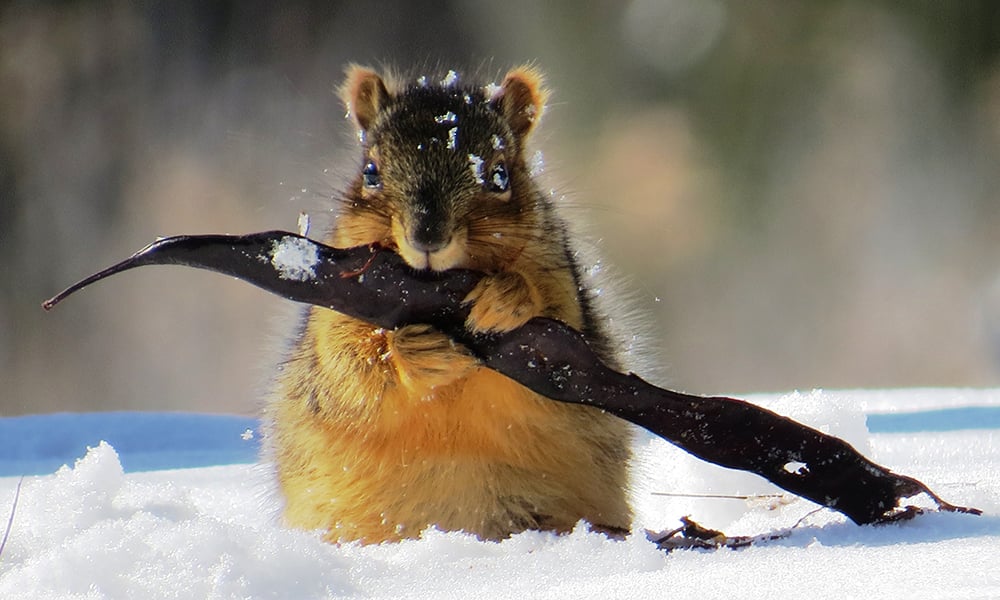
(443,177)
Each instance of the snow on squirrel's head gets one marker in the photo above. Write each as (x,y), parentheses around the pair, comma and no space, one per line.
(443,174)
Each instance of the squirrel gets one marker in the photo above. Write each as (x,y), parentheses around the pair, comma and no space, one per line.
(377,435)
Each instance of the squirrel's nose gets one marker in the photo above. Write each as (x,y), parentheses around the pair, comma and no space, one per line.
(428,236)
(428,227)
(426,244)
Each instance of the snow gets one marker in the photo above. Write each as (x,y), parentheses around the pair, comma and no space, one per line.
(492,91)
(476,166)
(109,527)
(294,258)
(448,117)
(450,79)
(303,224)
(537,166)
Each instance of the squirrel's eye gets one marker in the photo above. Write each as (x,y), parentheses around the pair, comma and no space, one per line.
(498,180)
(370,176)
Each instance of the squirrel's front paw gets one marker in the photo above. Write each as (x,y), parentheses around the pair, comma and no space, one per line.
(501,302)
(426,358)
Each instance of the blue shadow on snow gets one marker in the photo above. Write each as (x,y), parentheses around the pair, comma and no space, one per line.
(149,441)
(944,419)
(145,441)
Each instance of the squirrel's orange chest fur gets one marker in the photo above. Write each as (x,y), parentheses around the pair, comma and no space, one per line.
(380,434)
(481,454)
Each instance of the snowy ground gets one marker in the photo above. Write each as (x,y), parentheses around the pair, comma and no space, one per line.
(96,530)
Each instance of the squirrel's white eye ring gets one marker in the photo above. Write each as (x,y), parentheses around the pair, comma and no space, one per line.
(499,179)
(370,175)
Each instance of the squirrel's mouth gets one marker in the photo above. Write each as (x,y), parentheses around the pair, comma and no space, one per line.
(450,256)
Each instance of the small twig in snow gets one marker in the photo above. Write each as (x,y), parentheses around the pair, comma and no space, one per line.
(10,519)
(718,496)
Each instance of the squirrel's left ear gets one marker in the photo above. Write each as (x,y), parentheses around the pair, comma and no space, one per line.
(521,98)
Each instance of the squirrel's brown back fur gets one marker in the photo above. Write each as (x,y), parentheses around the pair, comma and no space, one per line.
(379,434)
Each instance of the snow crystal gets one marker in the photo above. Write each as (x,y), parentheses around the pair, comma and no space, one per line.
(796,467)
(303,224)
(476,165)
(452,138)
(492,91)
(450,79)
(448,117)
(295,258)
(497,142)
(537,165)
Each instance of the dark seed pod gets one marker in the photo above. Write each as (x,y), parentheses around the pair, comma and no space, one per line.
(550,358)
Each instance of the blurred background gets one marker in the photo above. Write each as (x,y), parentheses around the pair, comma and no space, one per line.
(799,194)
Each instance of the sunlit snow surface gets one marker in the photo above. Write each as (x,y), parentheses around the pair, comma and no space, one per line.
(95,531)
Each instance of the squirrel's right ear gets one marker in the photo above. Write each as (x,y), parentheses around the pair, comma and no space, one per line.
(364,93)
